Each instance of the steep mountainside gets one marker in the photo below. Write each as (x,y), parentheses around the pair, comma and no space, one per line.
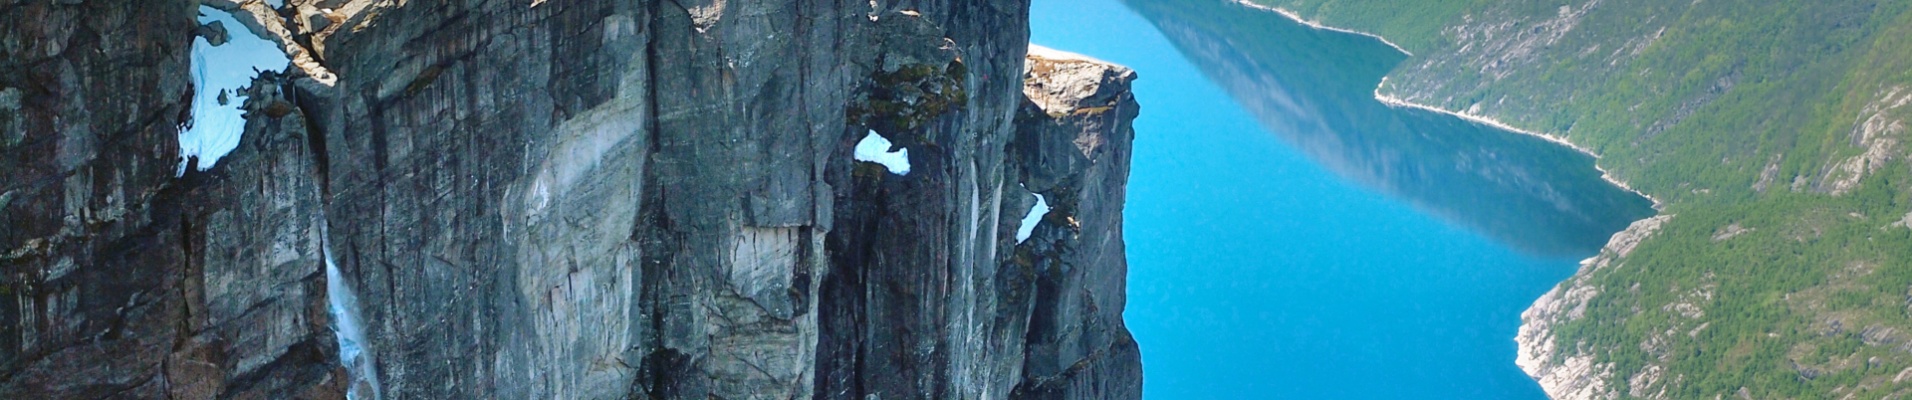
(565,199)
(1774,133)
(114,273)
(1527,192)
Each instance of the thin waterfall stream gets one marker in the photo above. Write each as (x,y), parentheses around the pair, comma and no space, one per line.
(219,70)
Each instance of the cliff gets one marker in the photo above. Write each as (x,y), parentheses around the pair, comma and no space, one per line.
(117,278)
(566,199)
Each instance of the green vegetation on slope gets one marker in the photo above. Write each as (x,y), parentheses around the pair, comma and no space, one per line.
(1535,196)
(1782,273)
(1413,25)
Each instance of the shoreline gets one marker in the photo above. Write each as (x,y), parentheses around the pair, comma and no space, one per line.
(1317,25)
(1398,102)
(1392,101)
(1542,328)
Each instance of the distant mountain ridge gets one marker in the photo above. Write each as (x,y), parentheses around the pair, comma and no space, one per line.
(1537,197)
(1773,131)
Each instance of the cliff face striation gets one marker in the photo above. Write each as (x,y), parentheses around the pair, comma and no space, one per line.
(565,199)
(118,279)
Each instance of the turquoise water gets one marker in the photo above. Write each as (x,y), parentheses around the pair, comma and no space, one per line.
(1290,237)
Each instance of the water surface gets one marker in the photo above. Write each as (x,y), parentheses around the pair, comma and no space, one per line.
(1290,237)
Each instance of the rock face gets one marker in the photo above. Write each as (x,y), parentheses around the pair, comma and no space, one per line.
(577,199)
(121,280)
(90,100)
(1573,373)
(252,279)
(1073,147)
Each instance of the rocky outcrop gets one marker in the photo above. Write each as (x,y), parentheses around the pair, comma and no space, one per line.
(1073,148)
(1880,135)
(1573,372)
(599,199)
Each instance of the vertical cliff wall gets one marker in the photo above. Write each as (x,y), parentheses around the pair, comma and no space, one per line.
(1072,146)
(90,99)
(121,279)
(602,199)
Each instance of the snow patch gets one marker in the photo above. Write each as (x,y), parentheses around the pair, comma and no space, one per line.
(874,148)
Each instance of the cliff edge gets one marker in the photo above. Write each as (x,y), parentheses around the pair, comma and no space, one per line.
(565,199)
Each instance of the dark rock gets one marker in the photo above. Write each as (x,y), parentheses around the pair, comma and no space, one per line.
(214,33)
(254,273)
(90,258)
(602,199)
(120,280)
(1073,146)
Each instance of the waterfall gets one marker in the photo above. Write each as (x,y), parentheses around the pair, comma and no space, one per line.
(342,302)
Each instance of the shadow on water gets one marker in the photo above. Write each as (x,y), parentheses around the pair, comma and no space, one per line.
(1314,89)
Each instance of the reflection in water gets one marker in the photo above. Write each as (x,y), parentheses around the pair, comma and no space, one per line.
(1314,89)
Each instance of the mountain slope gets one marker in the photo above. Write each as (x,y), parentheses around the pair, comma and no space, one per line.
(1774,133)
